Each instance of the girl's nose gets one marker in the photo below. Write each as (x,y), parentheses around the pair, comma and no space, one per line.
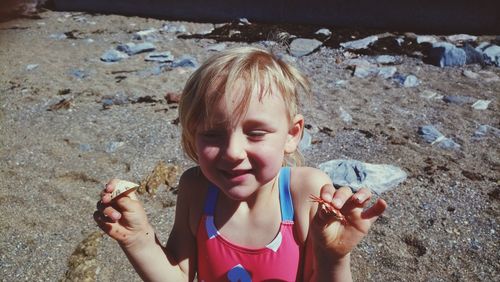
(235,148)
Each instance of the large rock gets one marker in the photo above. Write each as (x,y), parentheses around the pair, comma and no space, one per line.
(360,44)
(491,53)
(355,174)
(303,46)
(444,54)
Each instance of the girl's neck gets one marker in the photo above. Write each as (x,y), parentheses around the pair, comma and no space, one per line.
(263,196)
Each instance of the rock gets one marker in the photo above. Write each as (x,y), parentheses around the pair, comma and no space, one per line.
(113,55)
(470,74)
(491,54)
(145,34)
(426,39)
(411,81)
(243,21)
(323,31)
(355,174)
(481,104)
(345,116)
(428,94)
(185,61)
(85,147)
(472,55)
(387,72)
(31,67)
(80,74)
(483,130)
(363,68)
(432,136)
(461,38)
(360,44)
(302,46)
(58,36)
(177,29)
(132,48)
(305,142)
(161,57)
(443,54)
(217,47)
(386,59)
(459,100)
(111,147)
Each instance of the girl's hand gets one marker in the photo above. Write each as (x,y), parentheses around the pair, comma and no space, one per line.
(123,218)
(334,238)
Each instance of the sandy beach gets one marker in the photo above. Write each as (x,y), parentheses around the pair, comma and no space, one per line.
(69,122)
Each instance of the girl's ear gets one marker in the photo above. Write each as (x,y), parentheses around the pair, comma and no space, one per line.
(294,134)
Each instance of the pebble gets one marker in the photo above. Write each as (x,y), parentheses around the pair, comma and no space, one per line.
(111,147)
(303,46)
(85,147)
(481,104)
(432,136)
(185,61)
(132,48)
(387,72)
(386,59)
(461,38)
(217,47)
(411,81)
(444,54)
(147,34)
(360,44)
(113,55)
(323,31)
(80,74)
(426,39)
(428,94)
(31,67)
(470,74)
(458,100)
(355,174)
(58,36)
(483,130)
(161,57)
(177,29)
(345,116)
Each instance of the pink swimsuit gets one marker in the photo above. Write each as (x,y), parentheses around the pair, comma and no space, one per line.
(221,260)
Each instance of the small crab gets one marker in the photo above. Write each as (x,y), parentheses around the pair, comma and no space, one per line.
(329,209)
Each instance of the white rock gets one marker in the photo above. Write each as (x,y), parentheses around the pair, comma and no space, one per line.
(481,104)
(360,44)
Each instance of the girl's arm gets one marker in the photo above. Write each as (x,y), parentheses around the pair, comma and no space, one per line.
(125,220)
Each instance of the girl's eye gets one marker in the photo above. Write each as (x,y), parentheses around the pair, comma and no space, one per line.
(257,133)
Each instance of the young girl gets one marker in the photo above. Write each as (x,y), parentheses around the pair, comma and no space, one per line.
(242,215)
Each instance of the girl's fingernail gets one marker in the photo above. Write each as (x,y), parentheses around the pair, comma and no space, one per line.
(115,215)
(337,203)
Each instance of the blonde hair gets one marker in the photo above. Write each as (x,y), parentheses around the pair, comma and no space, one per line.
(260,70)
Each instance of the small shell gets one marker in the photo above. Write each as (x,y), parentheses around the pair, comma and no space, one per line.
(329,209)
(123,186)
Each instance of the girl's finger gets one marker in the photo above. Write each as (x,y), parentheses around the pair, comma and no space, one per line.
(362,197)
(326,192)
(341,196)
(373,212)
(111,213)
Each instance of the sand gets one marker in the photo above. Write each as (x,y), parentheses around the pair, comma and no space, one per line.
(61,142)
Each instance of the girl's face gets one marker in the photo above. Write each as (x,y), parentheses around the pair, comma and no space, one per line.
(247,154)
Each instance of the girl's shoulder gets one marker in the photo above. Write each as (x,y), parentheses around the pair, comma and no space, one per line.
(304,182)
(191,195)
(308,180)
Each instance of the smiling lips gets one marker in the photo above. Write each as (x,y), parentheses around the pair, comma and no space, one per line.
(235,173)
